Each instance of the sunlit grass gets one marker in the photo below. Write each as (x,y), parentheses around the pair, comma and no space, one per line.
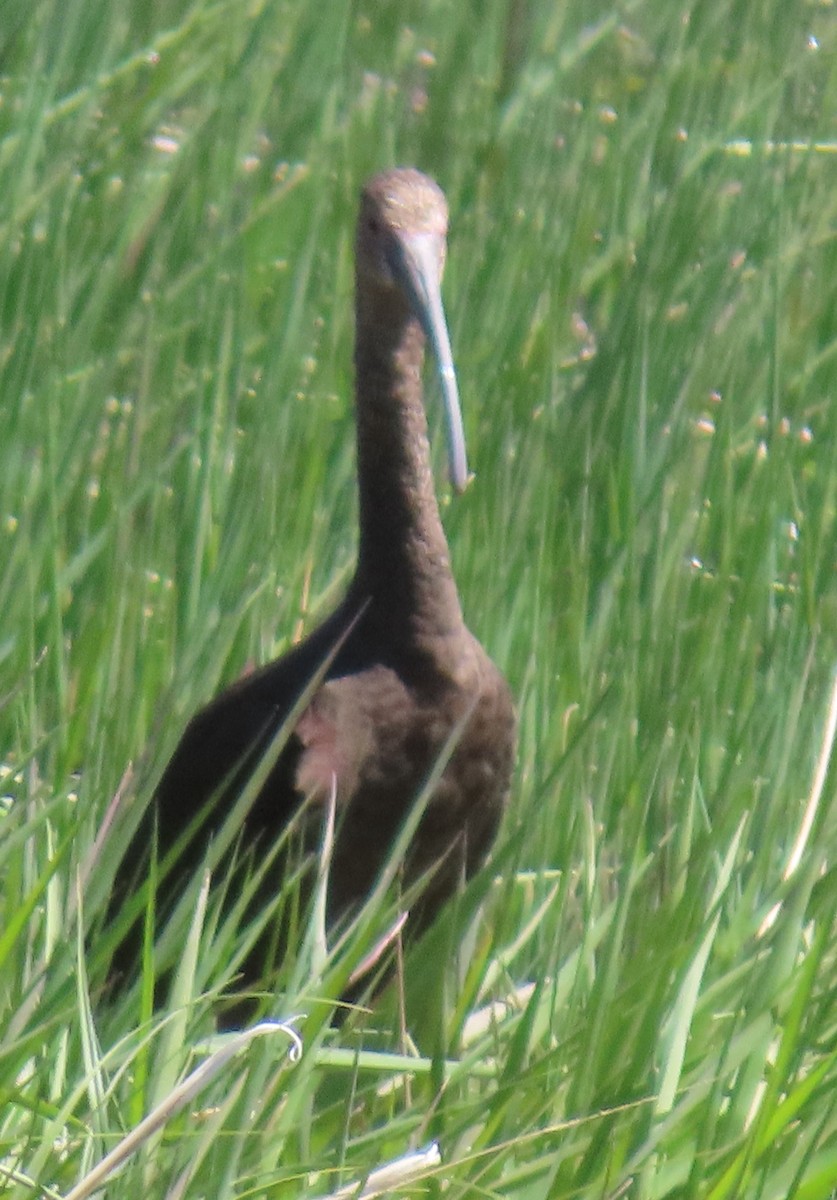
(641,292)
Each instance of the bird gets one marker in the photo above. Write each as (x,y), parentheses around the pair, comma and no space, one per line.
(405,678)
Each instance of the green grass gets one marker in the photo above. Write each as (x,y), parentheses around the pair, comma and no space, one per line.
(642,288)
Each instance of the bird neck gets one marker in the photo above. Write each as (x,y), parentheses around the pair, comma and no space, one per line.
(403,560)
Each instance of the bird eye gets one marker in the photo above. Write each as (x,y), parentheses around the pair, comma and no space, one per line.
(373,225)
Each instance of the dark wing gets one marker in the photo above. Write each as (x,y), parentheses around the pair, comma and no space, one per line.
(219,750)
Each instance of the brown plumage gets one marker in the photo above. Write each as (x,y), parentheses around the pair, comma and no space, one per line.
(409,670)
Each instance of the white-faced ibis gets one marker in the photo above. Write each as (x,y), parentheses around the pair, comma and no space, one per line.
(409,671)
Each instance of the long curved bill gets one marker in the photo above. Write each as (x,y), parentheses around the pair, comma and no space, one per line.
(418,266)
